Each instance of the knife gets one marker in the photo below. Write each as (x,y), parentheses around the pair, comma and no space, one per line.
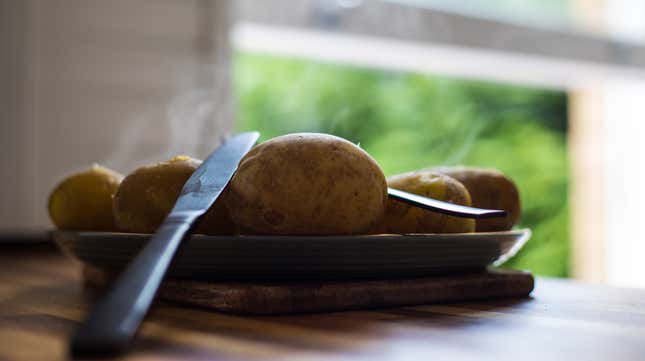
(112,324)
(450,209)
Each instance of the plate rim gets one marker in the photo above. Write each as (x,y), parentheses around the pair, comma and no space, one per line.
(506,242)
(520,232)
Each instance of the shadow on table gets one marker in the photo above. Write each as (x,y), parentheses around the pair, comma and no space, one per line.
(337,333)
(55,309)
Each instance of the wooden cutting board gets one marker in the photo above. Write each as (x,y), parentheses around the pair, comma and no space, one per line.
(265,298)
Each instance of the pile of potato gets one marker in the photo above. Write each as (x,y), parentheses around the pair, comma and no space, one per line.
(296,184)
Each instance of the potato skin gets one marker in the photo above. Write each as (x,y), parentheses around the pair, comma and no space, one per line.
(83,201)
(489,188)
(403,218)
(147,195)
(307,183)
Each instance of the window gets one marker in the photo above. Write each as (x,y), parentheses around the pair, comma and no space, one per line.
(432,82)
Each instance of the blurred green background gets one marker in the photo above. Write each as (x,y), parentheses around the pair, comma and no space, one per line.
(409,121)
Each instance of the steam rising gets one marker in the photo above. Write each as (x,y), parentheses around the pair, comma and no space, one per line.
(191,121)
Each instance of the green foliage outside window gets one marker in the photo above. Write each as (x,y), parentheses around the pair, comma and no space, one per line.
(410,121)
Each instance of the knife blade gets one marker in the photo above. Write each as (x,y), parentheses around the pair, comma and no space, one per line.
(113,322)
(450,209)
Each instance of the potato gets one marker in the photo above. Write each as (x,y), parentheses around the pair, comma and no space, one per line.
(489,188)
(147,195)
(403,218)
(83,201)
(307,183)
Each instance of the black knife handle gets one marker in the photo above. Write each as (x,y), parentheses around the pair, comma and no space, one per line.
(114,321)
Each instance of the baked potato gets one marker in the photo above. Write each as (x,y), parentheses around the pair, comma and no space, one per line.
(83,201)
(307,183)
(403,218)
(489,188)
(147,195)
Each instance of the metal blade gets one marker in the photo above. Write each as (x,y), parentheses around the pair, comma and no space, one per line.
(443,207)
(208,181)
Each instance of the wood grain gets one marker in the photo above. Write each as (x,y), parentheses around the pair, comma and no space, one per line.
(270,298)
(42,301)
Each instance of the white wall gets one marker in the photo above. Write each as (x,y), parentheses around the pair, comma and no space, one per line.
(624,113)
(118,82)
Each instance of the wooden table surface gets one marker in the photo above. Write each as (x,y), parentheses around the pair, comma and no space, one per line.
(42,301)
